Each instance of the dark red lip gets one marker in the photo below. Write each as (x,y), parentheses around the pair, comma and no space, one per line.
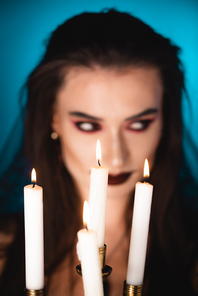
(118,179)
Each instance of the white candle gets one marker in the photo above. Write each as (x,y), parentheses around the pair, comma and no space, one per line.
(34,253)
(98,197)
(88,254)
(139,232)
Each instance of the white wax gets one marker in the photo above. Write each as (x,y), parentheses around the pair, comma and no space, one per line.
(97,201)
(139,233)
(90,262)
(34,253)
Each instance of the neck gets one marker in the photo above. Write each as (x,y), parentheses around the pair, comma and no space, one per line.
(115,228)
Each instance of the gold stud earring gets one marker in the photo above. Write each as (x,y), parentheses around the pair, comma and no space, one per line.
(54,136)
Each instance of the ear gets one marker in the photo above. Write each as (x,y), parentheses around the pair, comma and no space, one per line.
(55,124)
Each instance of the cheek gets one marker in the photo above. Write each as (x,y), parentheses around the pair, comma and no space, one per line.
(69,153)
(75,160)
(72,154)
(78,156)
(145,145)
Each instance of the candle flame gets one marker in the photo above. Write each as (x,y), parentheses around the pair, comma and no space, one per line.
(98,152)
(86,215)
(33,176)
(146,169)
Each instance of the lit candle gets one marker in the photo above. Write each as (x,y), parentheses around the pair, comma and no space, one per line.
(139,231)
(98,197)
(88,254)
(34,253)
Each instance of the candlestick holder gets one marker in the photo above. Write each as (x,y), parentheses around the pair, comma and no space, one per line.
(130,290)
(30,292)
(106,269)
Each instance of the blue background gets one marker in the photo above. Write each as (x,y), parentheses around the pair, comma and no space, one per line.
(25,26)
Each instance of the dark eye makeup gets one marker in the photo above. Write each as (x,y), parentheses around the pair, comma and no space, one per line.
(139,125)
(87,126)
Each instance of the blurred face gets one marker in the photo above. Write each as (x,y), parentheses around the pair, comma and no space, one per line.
(121,108)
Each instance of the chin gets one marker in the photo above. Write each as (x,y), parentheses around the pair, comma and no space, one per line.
(120,191)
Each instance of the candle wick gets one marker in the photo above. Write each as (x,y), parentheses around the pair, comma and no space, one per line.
(146,179)
(99,162)
(33,185)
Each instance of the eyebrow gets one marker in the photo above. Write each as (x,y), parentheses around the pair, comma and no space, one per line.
(145,112)
(84,115)
(87,116)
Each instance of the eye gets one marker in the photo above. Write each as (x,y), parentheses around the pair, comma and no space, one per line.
(87,126)
(139,125)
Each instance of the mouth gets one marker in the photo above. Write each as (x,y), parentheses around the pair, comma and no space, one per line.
(118,179)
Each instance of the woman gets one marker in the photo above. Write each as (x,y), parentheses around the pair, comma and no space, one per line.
(109,76)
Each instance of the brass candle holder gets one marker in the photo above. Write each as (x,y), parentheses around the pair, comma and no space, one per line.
(106,269)
(30,292)
(130,290)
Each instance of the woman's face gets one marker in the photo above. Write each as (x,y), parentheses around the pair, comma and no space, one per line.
(121,108)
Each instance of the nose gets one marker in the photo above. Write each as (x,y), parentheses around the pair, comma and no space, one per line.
(115,154)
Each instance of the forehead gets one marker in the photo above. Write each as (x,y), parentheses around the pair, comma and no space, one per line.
(98,90)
